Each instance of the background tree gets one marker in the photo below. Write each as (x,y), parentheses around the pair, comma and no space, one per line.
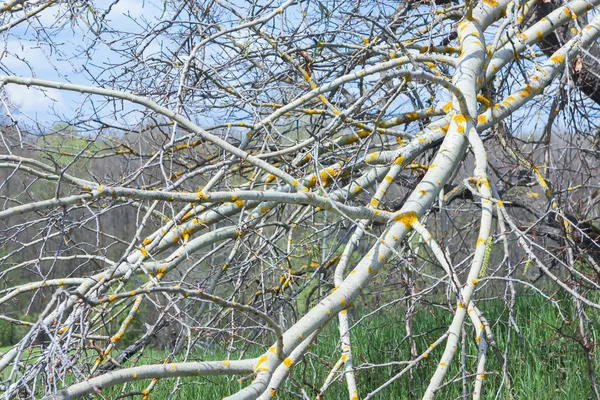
(233,182)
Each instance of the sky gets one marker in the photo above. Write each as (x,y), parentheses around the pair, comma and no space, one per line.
(24,55)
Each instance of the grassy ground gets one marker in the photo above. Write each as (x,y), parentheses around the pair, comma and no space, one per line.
(545,364)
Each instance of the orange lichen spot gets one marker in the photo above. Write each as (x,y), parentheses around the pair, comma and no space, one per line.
(422,192)
(111,297)
(374,202)
(539,35)
(324,100)
(388,179)
(412,116)
(567,12)
(491,3)
(261,360)
(60,283)
(226,363)
(526,92)
(143,251)
(481,119)
(407,218)
(264,210)
(270,178)
(557,58)
(442,364)
(272,392)
(532,194)
(288,362)
(327,175)
(342,302)
(134,376)
(479,241)
(132,293)
(399,160)
(365,40)
(363,133)
(425,355)
(459,119)
(185,233)
(238,203)
(483,100)
(370,270)
(294,182)
(446,107)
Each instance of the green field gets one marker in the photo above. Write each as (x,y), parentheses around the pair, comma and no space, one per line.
(548,363)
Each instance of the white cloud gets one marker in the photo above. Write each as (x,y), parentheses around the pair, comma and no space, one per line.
(31,100)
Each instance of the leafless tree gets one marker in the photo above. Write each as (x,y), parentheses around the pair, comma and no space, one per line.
(248,172)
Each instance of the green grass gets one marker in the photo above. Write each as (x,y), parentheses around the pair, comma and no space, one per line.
(546,364)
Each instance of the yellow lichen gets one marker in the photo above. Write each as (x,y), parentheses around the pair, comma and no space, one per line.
(406,218)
